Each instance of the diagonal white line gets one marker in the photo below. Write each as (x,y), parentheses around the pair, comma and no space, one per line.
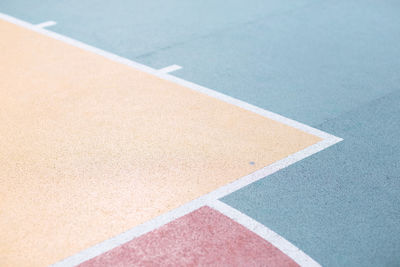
(166,76)
(278,241)
(207,199)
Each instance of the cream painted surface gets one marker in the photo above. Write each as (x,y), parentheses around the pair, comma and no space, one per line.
(90,148)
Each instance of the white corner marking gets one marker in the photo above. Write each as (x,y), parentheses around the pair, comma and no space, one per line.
(46,24)
(170,69)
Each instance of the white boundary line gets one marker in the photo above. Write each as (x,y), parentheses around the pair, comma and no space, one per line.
(208,199)
(211,198)
(46,24)
(177,80)
(170,69)
(279,242)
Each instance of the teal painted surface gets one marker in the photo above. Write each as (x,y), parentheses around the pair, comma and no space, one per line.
(342,205)
(134,28)
(310,64)
(331,64)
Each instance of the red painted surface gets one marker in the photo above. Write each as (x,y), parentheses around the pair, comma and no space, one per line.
(203,237)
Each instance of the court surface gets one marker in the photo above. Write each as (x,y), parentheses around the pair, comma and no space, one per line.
(257,133)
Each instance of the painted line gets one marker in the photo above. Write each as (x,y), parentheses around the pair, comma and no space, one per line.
(282,244)
(166,76)
(189,241)
(210,198)
(46,24)
(207,199)
(170,69)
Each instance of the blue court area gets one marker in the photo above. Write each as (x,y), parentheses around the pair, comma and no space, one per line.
(334,65)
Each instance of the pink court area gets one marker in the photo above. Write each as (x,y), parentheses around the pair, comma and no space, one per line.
(203,237)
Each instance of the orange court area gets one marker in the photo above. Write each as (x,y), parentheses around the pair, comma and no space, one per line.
(91,148)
